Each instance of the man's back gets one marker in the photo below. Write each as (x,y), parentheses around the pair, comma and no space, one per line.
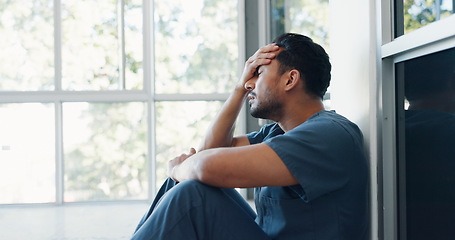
(326,156)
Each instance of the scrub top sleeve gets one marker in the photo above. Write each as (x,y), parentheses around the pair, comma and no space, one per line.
(318,155)
(255,137)
(266,132)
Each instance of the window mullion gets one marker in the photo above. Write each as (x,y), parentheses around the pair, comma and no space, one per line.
(148,50)
(121,42)
(264,22)
(59,164)
(57,45)
(148,66)
(59,170)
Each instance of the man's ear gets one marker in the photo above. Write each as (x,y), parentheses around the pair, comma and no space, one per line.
(292,79)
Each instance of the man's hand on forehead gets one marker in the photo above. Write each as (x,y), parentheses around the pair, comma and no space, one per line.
(262,56)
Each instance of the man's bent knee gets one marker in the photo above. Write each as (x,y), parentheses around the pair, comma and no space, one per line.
(193,187)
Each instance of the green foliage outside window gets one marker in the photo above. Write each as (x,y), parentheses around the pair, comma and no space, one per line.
(105,151)
(308,17)
(105,144)
(418,13)
(26,45)
(196,47)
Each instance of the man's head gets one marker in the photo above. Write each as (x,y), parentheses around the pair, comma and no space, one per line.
(301,53)
(292,70)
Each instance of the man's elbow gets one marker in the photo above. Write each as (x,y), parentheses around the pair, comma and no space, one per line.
(208,169)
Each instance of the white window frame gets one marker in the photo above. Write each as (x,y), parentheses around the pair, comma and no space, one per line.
(147,95)
(437,36)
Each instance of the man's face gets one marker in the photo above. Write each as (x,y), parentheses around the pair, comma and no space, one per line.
(264,96)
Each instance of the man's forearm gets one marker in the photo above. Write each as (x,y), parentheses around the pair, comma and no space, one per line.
(189,166)
(220,133)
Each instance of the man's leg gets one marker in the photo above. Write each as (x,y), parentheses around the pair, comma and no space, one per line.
(192,210)
(167,185)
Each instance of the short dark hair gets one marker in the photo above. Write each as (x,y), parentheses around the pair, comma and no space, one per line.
(310,59)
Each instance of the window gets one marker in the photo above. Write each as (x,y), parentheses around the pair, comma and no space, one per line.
(27,150)
(96,96)
(415,67)
(105,150)
(27,53)
(426,136)
(310,18)
(101,47)
(414,14)
(196,46)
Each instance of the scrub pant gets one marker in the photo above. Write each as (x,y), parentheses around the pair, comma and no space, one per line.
(193,210)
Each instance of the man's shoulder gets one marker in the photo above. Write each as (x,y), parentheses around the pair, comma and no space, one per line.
(328,119)
(330,124)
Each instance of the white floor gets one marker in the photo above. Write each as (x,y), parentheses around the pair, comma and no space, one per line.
(100,221)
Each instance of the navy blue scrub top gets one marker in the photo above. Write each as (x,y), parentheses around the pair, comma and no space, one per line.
(326,155)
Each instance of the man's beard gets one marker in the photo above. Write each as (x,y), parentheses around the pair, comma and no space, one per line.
(270,108)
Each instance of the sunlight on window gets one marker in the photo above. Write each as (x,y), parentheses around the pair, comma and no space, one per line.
(85,65)
(307,17)
(26,45)
(90,53)
(133,45)
(105,151)
(27,155)
(196,46)
(418,13)
(92,45)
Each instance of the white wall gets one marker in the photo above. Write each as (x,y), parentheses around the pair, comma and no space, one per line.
(354,91)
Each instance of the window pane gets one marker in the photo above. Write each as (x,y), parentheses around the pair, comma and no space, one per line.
(27,45)
(196,46)
(133,44)
(179,127)
(308,17)
(90,45)
(413,14)
(426,153)
(105,151)
(27,153)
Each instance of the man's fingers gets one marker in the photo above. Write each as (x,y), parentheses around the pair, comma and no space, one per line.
(268,55)
(192,151)
(268,48)
(256,62)
(265,52)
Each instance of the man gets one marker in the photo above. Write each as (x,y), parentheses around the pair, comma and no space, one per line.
(309,168)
